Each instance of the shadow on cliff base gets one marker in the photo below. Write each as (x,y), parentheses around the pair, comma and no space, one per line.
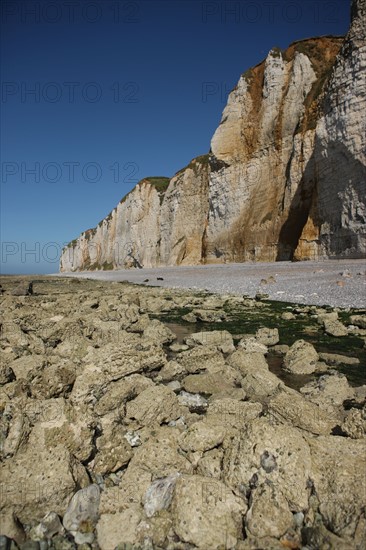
(328,177)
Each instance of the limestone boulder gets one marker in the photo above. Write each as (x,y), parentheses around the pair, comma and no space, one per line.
(301,358)
(155,405)
(222,339)
(342,495)
(217,521)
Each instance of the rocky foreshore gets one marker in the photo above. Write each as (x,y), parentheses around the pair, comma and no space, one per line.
(137,417)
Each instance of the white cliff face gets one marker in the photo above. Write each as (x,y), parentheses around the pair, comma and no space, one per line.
(340,153)
(126,238)
(148,227)
(183,216)
(265,156)
(285,178)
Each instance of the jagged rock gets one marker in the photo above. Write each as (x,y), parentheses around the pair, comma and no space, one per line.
(224,382)
(203,436)
(158,457)
(52,381)
(116,393)
(257,380)
(119,529)
(354,424)
(171,371)
(288,406)
(269,514)
(267,336)
(201,358)
(141,324)
(16,430)
(210,464)
(158,332)
(73,427)
(113,451)
(190,317)
(154,405)
(6,374)
(328,390)
(222,339)
(358,320)
(129,315)
(245,469)
(232,413)
(341,496)
(318,536)
(301,358)
(335,328)
(12,532)
(326,316)
(112,363)
(209,316)
(217,521)
(54,476)
(251,345)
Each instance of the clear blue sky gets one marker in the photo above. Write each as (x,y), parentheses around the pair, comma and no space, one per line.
(121,90)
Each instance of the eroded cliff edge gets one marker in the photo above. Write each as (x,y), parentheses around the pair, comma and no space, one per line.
(285,177)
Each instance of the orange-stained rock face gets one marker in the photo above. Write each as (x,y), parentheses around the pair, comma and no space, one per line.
(285,177)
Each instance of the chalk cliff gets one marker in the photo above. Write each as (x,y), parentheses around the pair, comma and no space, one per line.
(285,177)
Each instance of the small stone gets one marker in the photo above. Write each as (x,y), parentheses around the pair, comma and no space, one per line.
(268,462)
(195,402)
(210,316)
(299,519)
(335,328)
(355,424)
(176,348)
(47,528)
(288,316)
(358,320)
(267,336)
(56,318)
(82,514)
(337,359)
(222,339)
(133,439)
(23,289)
(190,317)
(260,297)
(6,374)
(174,385)
(251,345)
(158,332)
(159,495)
